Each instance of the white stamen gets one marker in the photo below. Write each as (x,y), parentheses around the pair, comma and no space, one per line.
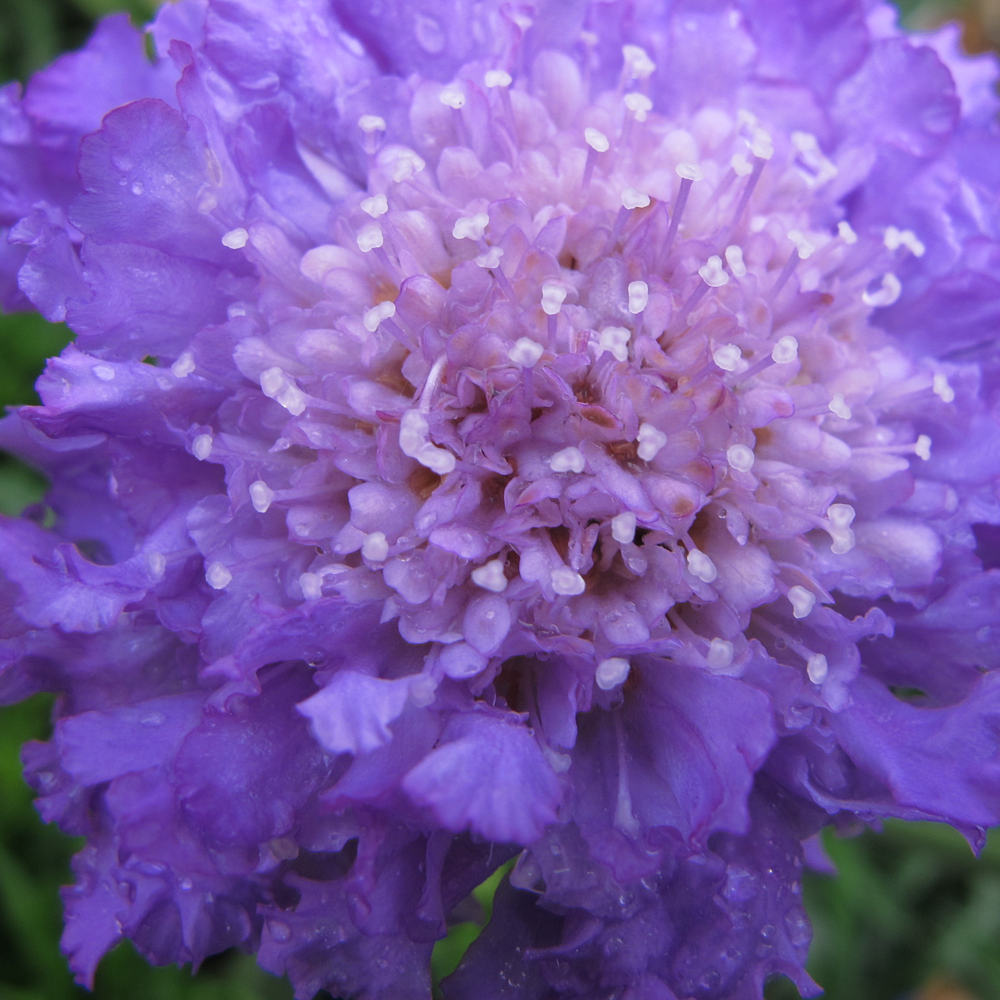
(438,460)
(371,123)
(638,297)
(526,352)
(701,566)
(597,140)
(762,145)
(942,389)
(651,442)
(413,432)
(727,357)
(712,272)
(887,294)
(895,238)
(802,243)
(375,206)
(741,165)
(201,446)
(406,165)
(839,407)
(157,563)
(218,576)
(817,668)
(491,258)
(312,586)
(740,457)
(623,527)
(689,171)
(802,601)
(568,460)
(375,315)
(841,516)
(370,238)
(639,104)
(923,447)
(183,366)
(490,576)
(638,63)
(276,385)
(261,495)
(612,672)
(820,168)
(452,96)
(497,78)
(567,582)
(720,654)
(785,351)
(236,239)
(553,297)
(633,198)
(846,233)
(471,227)
(615,339)
(734,258)
(104,372)
(375,547)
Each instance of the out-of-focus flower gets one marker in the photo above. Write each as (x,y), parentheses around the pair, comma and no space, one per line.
(559,430)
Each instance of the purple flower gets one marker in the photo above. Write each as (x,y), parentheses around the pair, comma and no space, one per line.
(560,430)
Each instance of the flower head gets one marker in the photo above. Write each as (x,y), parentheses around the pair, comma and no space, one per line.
(538,432)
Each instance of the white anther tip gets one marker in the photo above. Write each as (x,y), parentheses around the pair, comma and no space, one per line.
(375,547)
(497,78)
(637,61)
(567,583)
(375,206)
(846,233)
(727,357)
(886,295)
(734,258)
(740,457)
(490,576)
(701,566)
(261,495)
(817,668)
(615,340)
(923,447)
(490,259)
(568,460)
(612,672)
(371,123)
(452,96)
(638,297)
(651,442)
(218,576)
(375,316)
(184,365)
(720,654)
(370,238)
(689,171)
(839,407)
(633,198)
(712,272)
(471,227)
(236,239)
(802,601)
(597,140)
(553,297)
(639,104)
(201,446)
(785,351)
(942,389)
(526,352)
(623,527)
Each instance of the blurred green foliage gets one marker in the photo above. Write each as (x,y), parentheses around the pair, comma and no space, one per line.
(910,904)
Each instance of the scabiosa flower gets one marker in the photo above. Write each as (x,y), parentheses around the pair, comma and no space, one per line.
(562,431)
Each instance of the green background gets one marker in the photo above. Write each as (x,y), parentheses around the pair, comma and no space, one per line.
(912,913)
